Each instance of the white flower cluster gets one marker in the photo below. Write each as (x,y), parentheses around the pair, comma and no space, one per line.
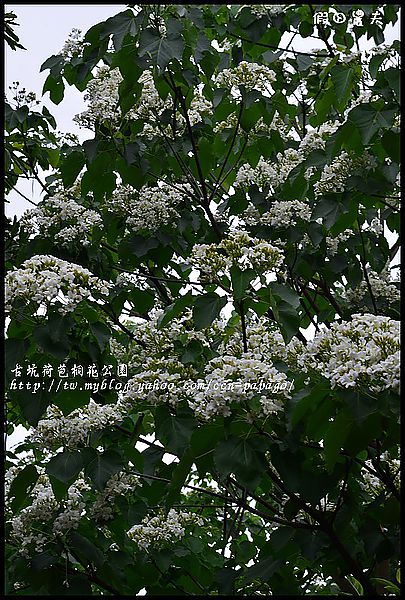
(263,174)
(150,101)
(73,508)
(30,527)
(102,96)
(371,483)
(42,508)
(282,213)
(362,353)
(268,174)
(261,10)
(151,207)
(335,175)
(238,248)
(316,139)
(230,379)
(161,380)
(119,484)
(159,343)
(270,9)
(252,75)
(382,286)
(376,226)
(72,430)
(332,243)
(63,219)
(74,45)
(382,49)
(199,107)
(154,207)
(264,341)
(162,529)
(45,280)
(260,128)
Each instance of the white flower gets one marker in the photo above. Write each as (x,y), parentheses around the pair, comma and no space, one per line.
(102,95)
(150,207)
(382,286)
(282,213)
(73,429)
(269,174)
(251,75)
(74,45)
(119,484)
(316,138)
(161,530)
(362,353)
(240,249)
(63,219)
(46,280)
(230,379)
(335,175)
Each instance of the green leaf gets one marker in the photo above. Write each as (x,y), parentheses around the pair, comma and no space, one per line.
(52,337)
(203,442)
(55,87)
(65,466)
(284,303)
(161,50)
(101,466)
(241,457)
(306,29)
(240,280)
(392,77)
(52,61)
(303,62)
(179,477)
(174,431)
(335,436)
(306,401)
(207,308)
(119,26)
(285,293)
(391,144)
(375,63)
(85,549)
(343,80)
(250,116)
(329,209)
(22,485)
(263,570)
(225,578)
(14,351)
(369,120)
(71,166)
(102,334)
(175,309)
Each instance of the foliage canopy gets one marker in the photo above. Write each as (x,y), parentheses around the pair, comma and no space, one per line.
(232,196)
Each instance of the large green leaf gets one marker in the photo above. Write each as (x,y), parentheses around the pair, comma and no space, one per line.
(22,485)
(65,466)
(343,78)
(174,310)
(161,50)
(368,120)
(243,457)
(207,308)
(174,431)
(335,436)
(101,466)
